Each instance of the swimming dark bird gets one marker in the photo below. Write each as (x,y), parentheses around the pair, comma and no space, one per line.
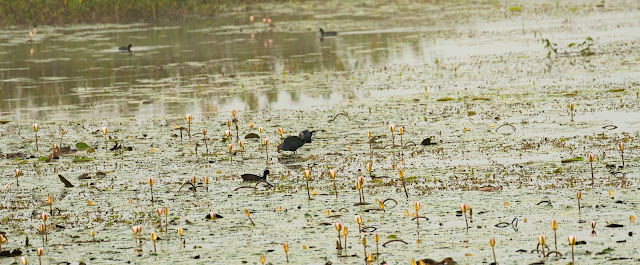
(254,177)
(327,33)
(125,48)
(291,143)
(427,141)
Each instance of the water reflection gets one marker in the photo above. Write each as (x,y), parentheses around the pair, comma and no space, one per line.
(174,70)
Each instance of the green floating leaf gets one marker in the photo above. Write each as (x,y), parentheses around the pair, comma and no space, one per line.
(42,159)
(82,146)
(575,159)
(445,99)
(616,90)
(82,159)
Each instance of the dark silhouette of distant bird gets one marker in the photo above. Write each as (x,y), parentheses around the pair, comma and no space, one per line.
(327,33)
(427,141)
(447,261)
(254,177)
(125,48)
(291,143)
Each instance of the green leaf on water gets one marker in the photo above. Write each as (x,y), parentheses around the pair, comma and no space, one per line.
(82,159)
(82,146)
(616,90)
(445,99)
(575,159)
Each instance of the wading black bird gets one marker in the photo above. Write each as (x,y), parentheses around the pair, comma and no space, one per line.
(306,135)
(253,177)
(327,33)
(125,48)
(291,143)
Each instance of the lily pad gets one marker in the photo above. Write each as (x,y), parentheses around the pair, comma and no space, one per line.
(82,146)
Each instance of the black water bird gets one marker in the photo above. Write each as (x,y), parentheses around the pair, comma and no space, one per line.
(125,48)
(291,143)
(306,135)
(254,177)
(327,33)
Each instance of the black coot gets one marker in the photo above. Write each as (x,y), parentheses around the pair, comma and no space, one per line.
(253,177)
(327,33)
(126,48)
(291,143)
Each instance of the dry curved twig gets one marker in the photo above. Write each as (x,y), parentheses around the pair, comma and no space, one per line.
(394,240)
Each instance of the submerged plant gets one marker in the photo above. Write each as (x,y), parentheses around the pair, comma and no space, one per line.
(492,243)
(35,130)
(572,242)
(151,181)
(591,157)
(307,173)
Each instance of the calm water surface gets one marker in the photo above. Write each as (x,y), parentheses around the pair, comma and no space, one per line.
(79,72)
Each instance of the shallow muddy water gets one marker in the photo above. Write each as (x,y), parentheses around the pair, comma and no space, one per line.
(494,105)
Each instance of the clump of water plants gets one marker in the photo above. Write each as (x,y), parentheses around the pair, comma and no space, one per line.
(44,223)
(392,128)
